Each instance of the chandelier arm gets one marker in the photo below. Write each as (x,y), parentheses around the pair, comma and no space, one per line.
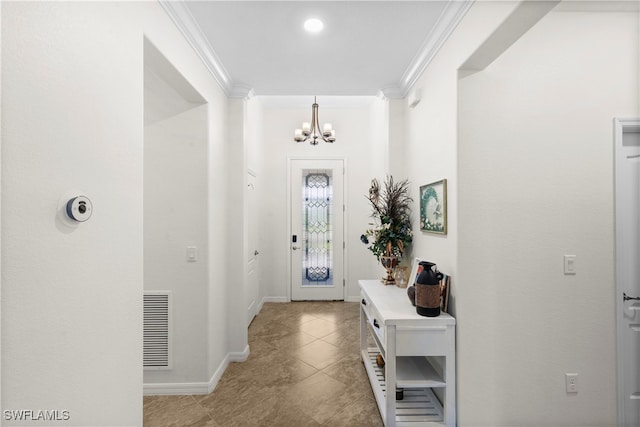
(315,124)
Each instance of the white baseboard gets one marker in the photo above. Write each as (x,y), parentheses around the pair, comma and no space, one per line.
(163,389)
(238,356)
(355,298)
(273,299)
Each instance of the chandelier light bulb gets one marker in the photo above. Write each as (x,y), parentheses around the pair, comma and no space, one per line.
(313,25)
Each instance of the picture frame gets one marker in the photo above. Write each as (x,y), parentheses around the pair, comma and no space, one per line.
(444,292)
(433,207)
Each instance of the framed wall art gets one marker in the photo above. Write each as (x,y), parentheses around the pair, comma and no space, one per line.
(433,207)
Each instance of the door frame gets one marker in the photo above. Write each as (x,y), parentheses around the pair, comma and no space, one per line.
(252,311)
(620,127)
(345,232)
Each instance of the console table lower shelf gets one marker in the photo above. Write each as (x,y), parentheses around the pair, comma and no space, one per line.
(419,406)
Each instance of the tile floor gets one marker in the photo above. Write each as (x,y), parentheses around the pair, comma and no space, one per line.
(304,370)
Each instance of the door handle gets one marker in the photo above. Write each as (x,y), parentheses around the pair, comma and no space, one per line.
(256,253)
(295,247)
(626,297)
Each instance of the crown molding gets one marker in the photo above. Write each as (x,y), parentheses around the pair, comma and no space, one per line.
(390,92)
(186,24)
(381,95)
(447,22)
(241,91)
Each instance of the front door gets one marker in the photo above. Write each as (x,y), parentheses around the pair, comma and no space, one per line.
(317,227)
(627,166)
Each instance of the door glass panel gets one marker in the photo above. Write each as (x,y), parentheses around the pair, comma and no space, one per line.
(317,239)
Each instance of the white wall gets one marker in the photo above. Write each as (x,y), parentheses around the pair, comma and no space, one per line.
(72,82)
(535,183)
(430,137)
(71,294)
(0,208)
(354,141)
(397,111)
(234,237)
(379,148)
(526,145)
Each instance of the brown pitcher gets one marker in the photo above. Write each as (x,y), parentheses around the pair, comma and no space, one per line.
(428,290)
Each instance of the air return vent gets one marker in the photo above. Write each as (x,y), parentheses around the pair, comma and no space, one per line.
(157,330)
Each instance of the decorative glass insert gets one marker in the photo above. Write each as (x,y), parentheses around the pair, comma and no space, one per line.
(317,241)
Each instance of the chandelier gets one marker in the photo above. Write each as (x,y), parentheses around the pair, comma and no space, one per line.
(311,131)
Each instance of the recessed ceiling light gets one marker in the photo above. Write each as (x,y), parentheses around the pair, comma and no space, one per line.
(313,25)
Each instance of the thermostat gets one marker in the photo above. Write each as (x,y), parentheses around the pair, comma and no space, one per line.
(79,208)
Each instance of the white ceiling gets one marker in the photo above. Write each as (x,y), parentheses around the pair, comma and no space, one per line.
(260,47)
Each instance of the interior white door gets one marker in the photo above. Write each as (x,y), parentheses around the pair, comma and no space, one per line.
(628,269)
(253,263)
(317,229)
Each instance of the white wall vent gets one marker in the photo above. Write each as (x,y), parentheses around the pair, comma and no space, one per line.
(157,330)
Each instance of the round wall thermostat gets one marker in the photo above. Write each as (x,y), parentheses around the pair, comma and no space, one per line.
(79,208)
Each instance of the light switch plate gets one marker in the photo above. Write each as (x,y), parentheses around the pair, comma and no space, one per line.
(192,253)
(569,264)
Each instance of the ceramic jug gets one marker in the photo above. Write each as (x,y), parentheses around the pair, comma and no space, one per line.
(428,290)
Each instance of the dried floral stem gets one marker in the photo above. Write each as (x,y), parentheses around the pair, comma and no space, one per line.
(392,214)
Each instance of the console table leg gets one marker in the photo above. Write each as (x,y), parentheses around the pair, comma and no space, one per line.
(363,332)
(450,393)
(390,377)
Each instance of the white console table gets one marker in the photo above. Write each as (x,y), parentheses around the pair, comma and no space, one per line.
(419,354)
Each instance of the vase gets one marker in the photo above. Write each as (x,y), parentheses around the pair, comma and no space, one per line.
(389,263)
(401,276)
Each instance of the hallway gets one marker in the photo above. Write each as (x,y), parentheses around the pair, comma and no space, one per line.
(304,370)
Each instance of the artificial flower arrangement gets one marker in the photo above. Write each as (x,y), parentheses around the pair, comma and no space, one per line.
(390,231)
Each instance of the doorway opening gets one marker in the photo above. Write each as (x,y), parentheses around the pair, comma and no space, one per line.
(627,210)
(175,222)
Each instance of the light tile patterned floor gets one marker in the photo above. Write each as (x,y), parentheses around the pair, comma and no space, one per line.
(304,370)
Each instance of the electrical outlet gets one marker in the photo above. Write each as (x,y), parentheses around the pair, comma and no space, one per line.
(571,382)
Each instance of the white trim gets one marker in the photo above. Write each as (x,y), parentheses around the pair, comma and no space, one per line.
(174,389)
(186,24)
(260,305)
(242,91)
(447,22)
(166,389)
(239,356)
(275,299)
